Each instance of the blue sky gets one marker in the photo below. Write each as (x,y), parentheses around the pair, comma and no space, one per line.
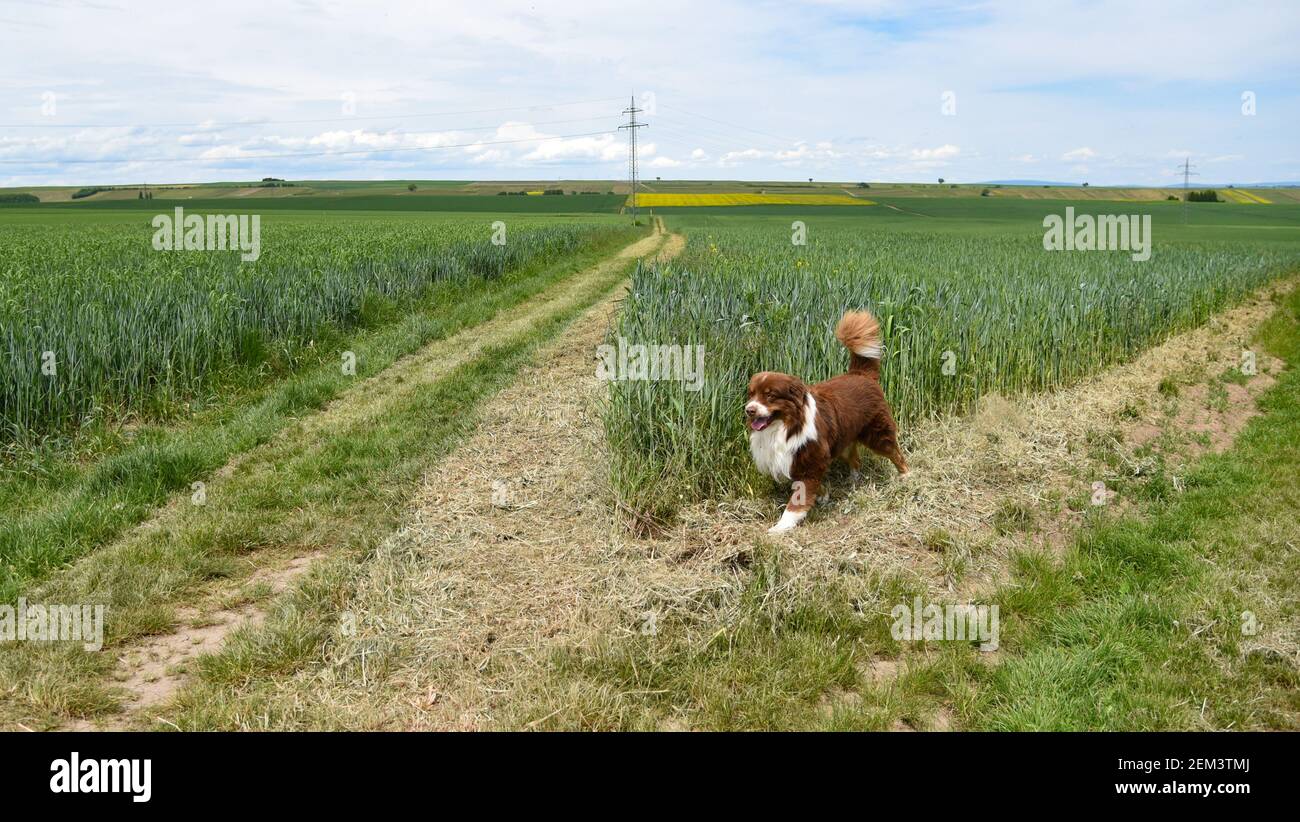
(1105,92)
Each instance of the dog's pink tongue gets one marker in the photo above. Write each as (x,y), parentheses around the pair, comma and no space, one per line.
(758,425)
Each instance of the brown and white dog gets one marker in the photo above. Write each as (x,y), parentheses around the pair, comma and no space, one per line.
(795,430)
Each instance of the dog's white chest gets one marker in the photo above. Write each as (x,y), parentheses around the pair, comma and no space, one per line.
(772,451)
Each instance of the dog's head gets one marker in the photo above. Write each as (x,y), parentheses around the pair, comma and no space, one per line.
(774,396)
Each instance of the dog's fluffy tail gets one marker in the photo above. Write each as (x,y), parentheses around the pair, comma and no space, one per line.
(860,333)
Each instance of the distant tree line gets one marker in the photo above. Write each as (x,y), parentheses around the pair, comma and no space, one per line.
(553,191)
(18,199)
(1209,195)
(87,192)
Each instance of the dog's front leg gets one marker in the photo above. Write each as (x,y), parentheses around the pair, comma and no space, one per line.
(802,496)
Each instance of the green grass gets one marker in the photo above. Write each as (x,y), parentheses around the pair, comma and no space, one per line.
(1142,626)
(67,497)
(1138,626)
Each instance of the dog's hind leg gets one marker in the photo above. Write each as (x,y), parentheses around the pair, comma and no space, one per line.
(886,445)
(854,459)
(802,497)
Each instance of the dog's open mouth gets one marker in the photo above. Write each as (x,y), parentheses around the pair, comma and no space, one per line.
(759,423)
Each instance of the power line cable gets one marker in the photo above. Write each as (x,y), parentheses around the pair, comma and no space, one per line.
(695,139)
(731,125)
(725,142)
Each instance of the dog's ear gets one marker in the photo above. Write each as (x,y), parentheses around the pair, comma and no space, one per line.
(794,391)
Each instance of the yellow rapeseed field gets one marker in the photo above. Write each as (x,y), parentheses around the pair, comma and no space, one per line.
(1252,195)
(1242,196)
(744,199)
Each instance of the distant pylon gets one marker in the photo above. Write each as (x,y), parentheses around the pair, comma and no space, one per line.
(1187,174)
(632,125)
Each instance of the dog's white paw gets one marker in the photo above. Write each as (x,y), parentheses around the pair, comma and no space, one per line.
(787,521)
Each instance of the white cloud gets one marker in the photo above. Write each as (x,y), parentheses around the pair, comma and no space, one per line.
(943,152)
(201,139)
(604,148)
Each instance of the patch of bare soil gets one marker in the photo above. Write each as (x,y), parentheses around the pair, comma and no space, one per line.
(154,669)
(1205,417)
